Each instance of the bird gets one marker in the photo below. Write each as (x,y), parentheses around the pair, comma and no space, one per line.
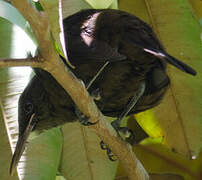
(124,55)
(135,78)
(40,109)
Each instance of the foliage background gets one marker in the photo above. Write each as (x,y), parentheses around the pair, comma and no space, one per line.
(174,126)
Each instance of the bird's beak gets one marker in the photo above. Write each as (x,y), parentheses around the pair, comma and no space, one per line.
(20,147)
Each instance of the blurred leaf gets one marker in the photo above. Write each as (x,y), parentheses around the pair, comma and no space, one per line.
(166,177)
(54,12)
(197,6)
(13,16)
(114,5)
(13,40)
(72,6)
(82,156)
(100,4)
(157,158)
(10,13)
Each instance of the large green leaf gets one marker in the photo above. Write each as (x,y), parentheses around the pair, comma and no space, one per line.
(197,6)
(5,153)
(82,156)
(184,123)
(42,156)
(178,118)
(10,13)
(46,149)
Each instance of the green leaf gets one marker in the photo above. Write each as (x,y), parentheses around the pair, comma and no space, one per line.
(72,6)
(180,33)
(197,6)
(82,156)
(44,151)
(148,120)
(100,4)
(10,13)
(178,118)
(5,152)
(54,12)
(42,156)
(14,41)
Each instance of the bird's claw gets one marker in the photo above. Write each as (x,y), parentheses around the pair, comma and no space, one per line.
(83,119)
(88,123)
(124,132)
(110,155)
(103,145)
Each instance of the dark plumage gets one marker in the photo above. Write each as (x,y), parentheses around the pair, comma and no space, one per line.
(94,37)
(125,41)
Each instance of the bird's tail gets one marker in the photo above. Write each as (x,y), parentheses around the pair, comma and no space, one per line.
(171,60)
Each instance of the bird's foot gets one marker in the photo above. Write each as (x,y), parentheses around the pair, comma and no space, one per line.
(83,119)
(110,155)
(124,132)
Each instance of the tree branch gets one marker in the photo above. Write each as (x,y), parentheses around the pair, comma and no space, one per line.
(53,64)
(33,62)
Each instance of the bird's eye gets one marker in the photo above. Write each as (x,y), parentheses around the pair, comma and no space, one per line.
(28,107)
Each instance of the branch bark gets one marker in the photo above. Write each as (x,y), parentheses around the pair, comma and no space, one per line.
(33,62)
(54,65)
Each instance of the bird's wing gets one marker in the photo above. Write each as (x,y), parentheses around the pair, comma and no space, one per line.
(97,51)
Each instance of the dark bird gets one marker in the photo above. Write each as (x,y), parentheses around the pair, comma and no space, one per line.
(44,104)
(134,78)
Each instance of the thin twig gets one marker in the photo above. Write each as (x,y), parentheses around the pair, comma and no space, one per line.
(33,62)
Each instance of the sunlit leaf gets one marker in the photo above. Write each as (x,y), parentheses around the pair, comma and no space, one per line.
(10,13)
(148,120)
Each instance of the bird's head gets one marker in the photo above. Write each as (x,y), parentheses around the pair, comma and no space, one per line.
(27,118)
